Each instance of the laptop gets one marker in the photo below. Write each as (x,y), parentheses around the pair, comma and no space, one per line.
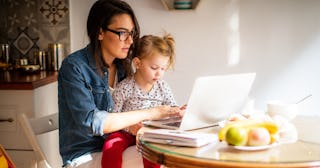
(212,100)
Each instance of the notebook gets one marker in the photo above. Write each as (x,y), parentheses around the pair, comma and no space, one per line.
(212,100)
(179,138)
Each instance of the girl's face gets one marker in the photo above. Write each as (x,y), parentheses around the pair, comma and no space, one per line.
(151,68)
(111,45)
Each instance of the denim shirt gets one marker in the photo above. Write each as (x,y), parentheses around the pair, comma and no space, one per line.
(84,101)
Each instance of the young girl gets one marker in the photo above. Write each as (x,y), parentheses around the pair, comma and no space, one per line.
(145,89)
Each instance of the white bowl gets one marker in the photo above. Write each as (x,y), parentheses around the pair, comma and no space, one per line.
(287,110)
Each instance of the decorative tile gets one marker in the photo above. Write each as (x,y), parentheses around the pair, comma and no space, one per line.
(54,10)
(24,42)
(30,25)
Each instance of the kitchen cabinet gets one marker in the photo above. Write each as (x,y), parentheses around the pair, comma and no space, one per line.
(170,4)
(35,95)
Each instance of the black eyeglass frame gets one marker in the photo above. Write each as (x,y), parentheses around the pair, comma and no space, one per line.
(123,34)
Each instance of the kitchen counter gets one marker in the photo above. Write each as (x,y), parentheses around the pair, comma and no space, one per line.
(17,80)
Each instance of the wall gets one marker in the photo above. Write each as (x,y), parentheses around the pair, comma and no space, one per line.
(276,39)
(29,26)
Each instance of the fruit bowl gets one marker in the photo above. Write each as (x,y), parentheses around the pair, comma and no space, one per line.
(254,148)
(248,134)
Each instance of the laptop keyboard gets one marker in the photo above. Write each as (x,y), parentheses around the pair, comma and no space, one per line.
(174,124)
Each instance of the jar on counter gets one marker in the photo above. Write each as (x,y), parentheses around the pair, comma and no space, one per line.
(5,48)
(41,59)
(56,55)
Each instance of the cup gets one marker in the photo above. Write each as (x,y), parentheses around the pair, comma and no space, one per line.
(286,110)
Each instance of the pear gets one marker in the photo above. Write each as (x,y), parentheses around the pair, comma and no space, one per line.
(237,136)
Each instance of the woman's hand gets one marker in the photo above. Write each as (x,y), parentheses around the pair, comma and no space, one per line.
(164,111)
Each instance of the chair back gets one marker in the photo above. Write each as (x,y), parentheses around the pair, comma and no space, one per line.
(36,126)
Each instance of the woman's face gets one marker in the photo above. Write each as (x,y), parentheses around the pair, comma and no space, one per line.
(111,45)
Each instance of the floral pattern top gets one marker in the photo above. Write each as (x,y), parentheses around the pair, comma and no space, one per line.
(129,96)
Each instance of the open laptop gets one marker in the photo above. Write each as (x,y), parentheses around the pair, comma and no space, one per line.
(212,100)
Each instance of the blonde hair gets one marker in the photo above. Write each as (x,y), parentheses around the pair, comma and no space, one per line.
(150,44)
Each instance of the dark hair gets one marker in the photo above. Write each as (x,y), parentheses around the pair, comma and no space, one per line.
(100,16)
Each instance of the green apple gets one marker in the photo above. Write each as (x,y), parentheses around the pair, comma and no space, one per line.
(237,136)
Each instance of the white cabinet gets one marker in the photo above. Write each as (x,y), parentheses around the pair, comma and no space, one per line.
(35,103)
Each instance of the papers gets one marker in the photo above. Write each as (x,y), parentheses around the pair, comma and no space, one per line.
(179,137)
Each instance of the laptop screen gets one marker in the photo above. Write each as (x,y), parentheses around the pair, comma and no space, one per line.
(215,98)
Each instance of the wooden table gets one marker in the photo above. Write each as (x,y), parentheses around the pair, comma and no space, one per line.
(303,153)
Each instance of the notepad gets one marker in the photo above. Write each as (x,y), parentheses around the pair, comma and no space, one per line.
(179,137)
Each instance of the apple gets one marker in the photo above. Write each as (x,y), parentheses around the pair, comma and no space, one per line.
(258,136)
(237,136)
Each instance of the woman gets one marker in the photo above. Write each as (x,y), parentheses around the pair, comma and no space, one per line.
(85,83)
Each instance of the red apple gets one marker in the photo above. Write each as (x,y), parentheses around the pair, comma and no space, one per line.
(258,136)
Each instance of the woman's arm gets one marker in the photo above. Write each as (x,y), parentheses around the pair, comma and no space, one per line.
(118,121)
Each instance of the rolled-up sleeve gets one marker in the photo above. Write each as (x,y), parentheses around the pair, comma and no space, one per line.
(98,122)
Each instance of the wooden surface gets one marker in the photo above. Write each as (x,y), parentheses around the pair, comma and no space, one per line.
(299,154)
(17,80)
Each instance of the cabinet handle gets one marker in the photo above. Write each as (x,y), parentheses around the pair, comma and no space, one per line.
(6,120)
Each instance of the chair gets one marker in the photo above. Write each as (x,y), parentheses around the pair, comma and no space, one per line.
(37,126)
(33,127)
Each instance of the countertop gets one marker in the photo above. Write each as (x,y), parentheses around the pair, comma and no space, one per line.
(18,80)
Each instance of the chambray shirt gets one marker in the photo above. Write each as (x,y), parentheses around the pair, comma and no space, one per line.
(84,100)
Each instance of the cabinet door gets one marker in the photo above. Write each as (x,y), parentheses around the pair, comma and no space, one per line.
(12,136)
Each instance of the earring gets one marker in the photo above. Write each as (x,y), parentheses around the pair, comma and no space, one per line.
(100,37)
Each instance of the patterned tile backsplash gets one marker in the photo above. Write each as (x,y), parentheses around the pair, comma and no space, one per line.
(31,25)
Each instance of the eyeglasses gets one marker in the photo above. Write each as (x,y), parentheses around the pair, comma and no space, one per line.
(123,35)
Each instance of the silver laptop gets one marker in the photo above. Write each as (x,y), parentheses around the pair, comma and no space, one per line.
(212,100)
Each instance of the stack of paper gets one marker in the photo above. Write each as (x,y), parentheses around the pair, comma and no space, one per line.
(179,137)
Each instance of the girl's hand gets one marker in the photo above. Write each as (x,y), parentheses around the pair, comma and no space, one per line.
(182,110)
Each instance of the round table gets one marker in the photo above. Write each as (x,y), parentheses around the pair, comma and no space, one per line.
(303,153)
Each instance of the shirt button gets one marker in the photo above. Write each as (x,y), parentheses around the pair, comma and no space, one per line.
(109,109)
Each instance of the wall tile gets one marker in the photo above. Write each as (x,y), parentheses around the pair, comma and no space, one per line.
(29,26)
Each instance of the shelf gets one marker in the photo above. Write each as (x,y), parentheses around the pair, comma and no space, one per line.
(169,5)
